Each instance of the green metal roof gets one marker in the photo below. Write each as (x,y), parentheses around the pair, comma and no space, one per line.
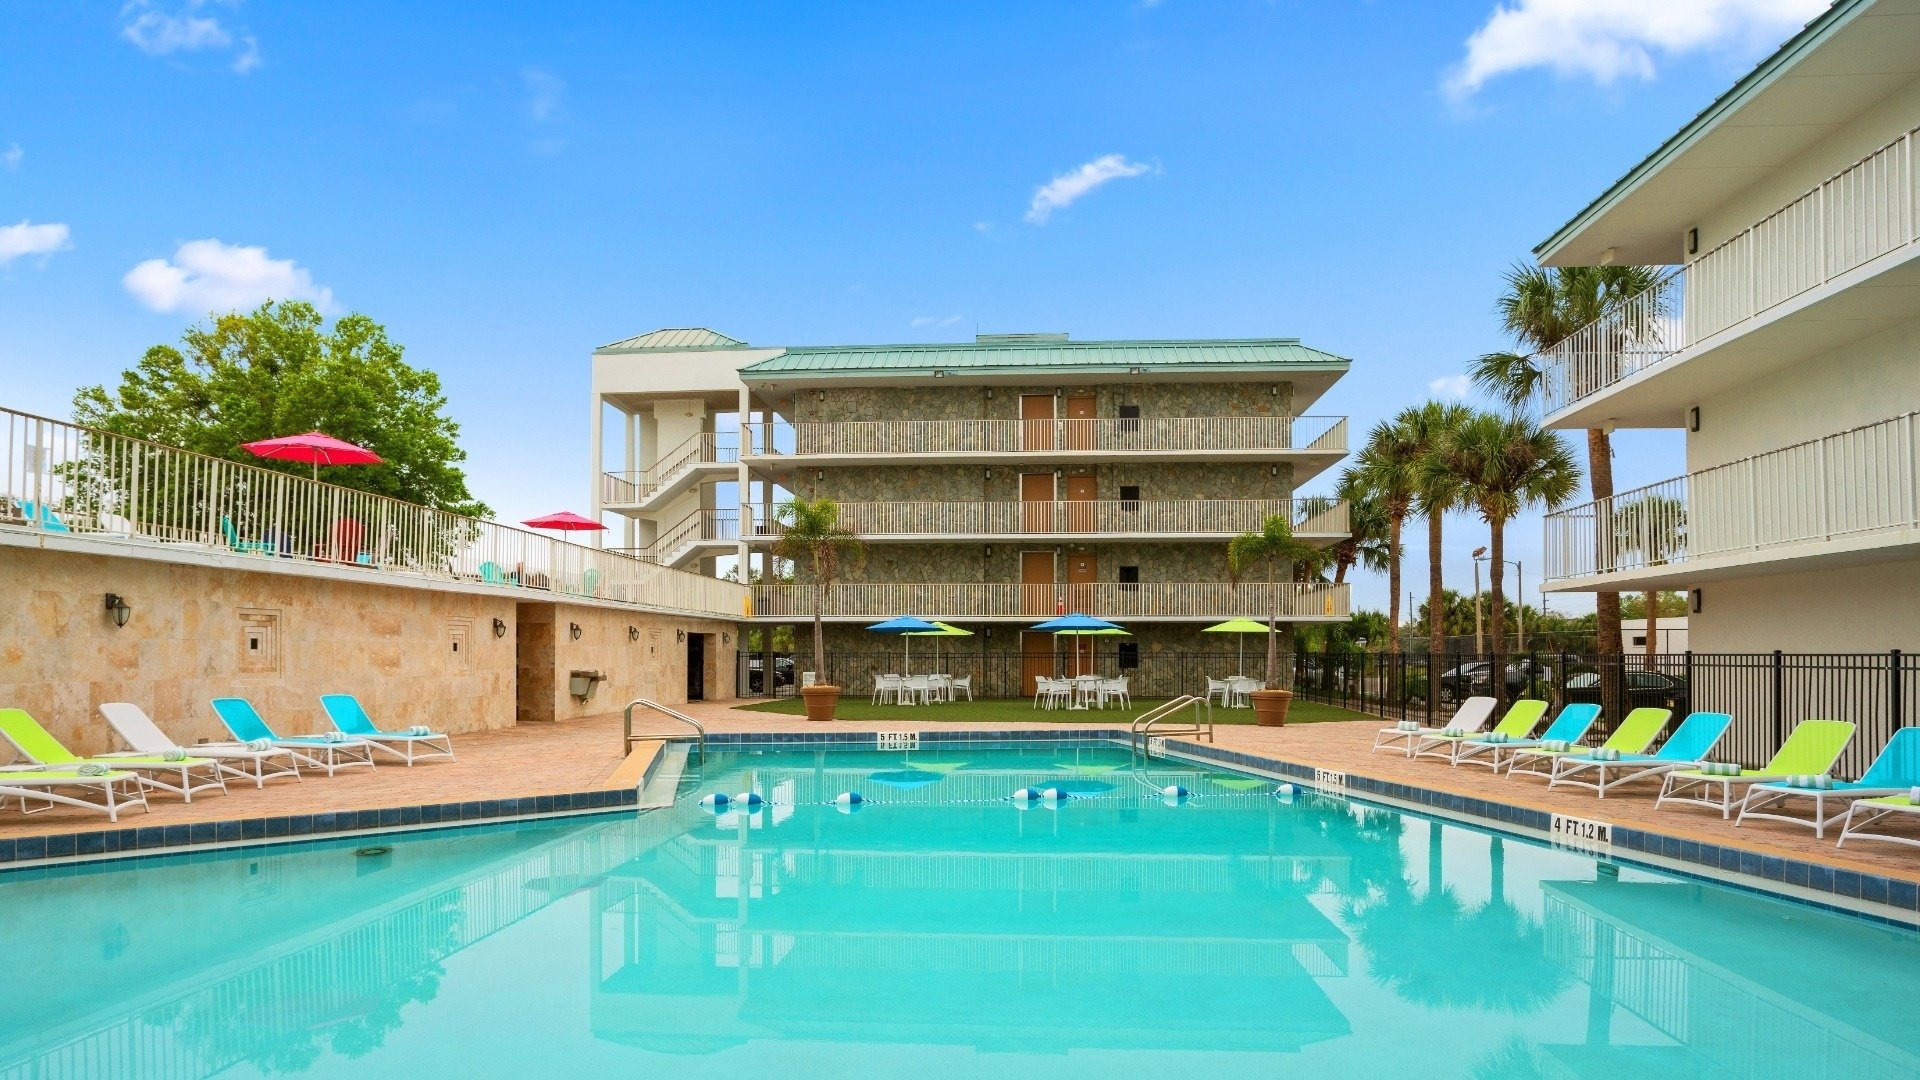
(1796,47)
(694,337)
(1043,353)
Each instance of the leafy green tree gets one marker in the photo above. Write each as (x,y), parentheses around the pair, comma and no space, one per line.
(1540,308)
(1505,465)
(1367,541)
(1388,466)
(280,370)
(1436,491)
(1270,548)
(1654,526)
(811,533)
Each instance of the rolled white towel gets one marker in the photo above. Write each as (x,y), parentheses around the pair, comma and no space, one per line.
(420,729)
(1407,725)
(1606,753)
(1821,782)
(335,736)
(1556,746)
(1496,737)
(1454,733)
(91,768)
(1720,768)
(1914,796)
(173,753)
(259,746)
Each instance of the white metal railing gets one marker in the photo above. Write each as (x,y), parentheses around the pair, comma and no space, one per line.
(1148,517)
(1156,434)
(679,540)
(60,478)
(1857,215)
(1854,483)
(704,448)
(1114,600)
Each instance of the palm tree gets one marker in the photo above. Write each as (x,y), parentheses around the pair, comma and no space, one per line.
(1435,492)
(1272,545)
(1655,526)
(1505,465)
(1541,308)
(811,530)
(1366,541)
(1388,465)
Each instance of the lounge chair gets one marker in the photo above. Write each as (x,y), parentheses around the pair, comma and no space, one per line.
(1495,753)
(1810,750)
(329,755)
(1866,812)
(1633,736)
(1471,716)
(116,788)
(1687,748)
(419,744)
(244,547)
(1521,716)
(1896,771)
(259,763)
(183,775)
(43,516)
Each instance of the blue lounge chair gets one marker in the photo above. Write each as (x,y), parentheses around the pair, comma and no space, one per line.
(1569,728)
(329,755)
(1896,771)
(245,547)
(1689,745)
(410,746)
(43,517)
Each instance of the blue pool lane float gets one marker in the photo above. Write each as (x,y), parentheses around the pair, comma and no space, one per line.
(1055,795)
(1026,796)
(1175,791)
(751,800)
(1286,792)
(849,802)
(716,802)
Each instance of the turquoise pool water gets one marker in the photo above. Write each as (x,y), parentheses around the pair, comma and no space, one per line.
(940,932)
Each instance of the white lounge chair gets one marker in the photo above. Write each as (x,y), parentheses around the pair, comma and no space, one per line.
(419,744)
(1809,750)
(180,773)
(237,760)
(116,790)
(1469,718)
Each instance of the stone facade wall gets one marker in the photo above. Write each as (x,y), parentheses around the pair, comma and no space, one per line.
(653,667)
(844,404)
(1157,480)
(281,640)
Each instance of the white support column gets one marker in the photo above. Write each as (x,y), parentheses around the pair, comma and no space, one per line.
(743,480)
(597,455)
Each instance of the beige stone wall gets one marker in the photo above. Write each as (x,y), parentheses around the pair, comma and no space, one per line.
(188,642)
(955,563)
(1157,480)
(842,404)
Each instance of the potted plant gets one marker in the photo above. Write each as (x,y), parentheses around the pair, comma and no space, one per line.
(1272,545)
(811,534)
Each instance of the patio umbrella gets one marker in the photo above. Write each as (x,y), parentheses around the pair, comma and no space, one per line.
(1238,626)
(1076,625)
(564,521)
(904,625)
(944,630)
(314,448)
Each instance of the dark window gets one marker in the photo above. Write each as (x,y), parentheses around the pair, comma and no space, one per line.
(1130,498)
(1129,654)
(1130,577)
(1129,419)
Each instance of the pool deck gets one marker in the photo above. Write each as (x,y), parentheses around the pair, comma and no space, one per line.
(576,766)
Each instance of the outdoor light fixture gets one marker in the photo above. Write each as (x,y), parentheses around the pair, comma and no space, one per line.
(1693,241)
(117,609)
(499,628)
(573,630)
(1693,418)
(989,551)
(726,638)
(819,474)
(679,635)
(1695,598)
(633,633)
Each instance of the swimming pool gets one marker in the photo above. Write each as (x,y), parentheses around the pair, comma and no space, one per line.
(940,930)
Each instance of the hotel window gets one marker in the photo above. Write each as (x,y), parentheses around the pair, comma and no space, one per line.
(1129,579)
(1129,419)
(1129,654)
(1130,498)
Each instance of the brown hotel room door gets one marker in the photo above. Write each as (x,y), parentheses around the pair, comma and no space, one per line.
(1080,422)
(1083,569)
(1036,583)
(1078,499)
(1036,660)
(1036,502)
(1036,421)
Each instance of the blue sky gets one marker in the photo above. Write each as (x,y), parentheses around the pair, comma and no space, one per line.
(507,187)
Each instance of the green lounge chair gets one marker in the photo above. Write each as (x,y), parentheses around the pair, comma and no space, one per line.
(1687,748)
(182,775)
(1471,716)
(1633,736)
(411,746)
(1895,771)
(1517,724)
(1810,750)
(244,547)
(329,755)
(116,790)
(1569,727)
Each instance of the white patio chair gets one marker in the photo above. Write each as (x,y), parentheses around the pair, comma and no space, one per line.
(885,686)
(1218,688)
(1241,688)
(961,685)
(1115,690)
(917,690)
(940,687)
(1051,693)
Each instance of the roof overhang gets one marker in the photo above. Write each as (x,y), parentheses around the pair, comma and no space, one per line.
(1846,60)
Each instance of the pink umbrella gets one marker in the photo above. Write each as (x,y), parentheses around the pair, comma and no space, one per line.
(564,521)
(313,448)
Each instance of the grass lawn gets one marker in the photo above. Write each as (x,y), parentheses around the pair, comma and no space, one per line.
(1021,711)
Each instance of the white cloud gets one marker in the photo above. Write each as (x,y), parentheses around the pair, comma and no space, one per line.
(1451,386)
(1606,40)
(1067,188)
(207,275)
(10,157)
(543,94)
(249,57)
(184,27)
(927,321)
(27,238)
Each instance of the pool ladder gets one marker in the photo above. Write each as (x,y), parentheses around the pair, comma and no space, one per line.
(630,738)
(1201,726)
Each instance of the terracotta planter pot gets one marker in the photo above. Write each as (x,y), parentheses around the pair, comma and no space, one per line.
(1270,707)
(820,699)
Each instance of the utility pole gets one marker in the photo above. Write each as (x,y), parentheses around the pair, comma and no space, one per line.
(1479,636)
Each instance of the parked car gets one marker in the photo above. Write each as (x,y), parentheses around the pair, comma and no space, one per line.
(782,673)
(1469,679)
(1644,688)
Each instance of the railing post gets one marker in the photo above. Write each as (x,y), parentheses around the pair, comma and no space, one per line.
(1779,700)
(1896,705)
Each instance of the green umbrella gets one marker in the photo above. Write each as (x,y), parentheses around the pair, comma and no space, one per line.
(945,630)
(1105,631)
(1238,626)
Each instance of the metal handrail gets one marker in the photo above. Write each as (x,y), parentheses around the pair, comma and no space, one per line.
(1142,728)
(630,738)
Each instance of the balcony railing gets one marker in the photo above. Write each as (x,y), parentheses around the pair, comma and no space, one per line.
(705,448)
(1849,485)
(1859,214)
(1112,600)
(1174,435)
(62,479)
(1128,517)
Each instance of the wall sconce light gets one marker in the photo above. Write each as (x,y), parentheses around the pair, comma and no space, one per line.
(680,635)
(726,638)
(499,628)
(819,474)
(989,551)
(1057,391)
(989,474)
(1273,470)
(1274,390)
(819,395)
(1693,418)
(1693,241)
(117,609)
(573,630)
(989,393)
(1058,473)
(633,633)
(1695,600)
